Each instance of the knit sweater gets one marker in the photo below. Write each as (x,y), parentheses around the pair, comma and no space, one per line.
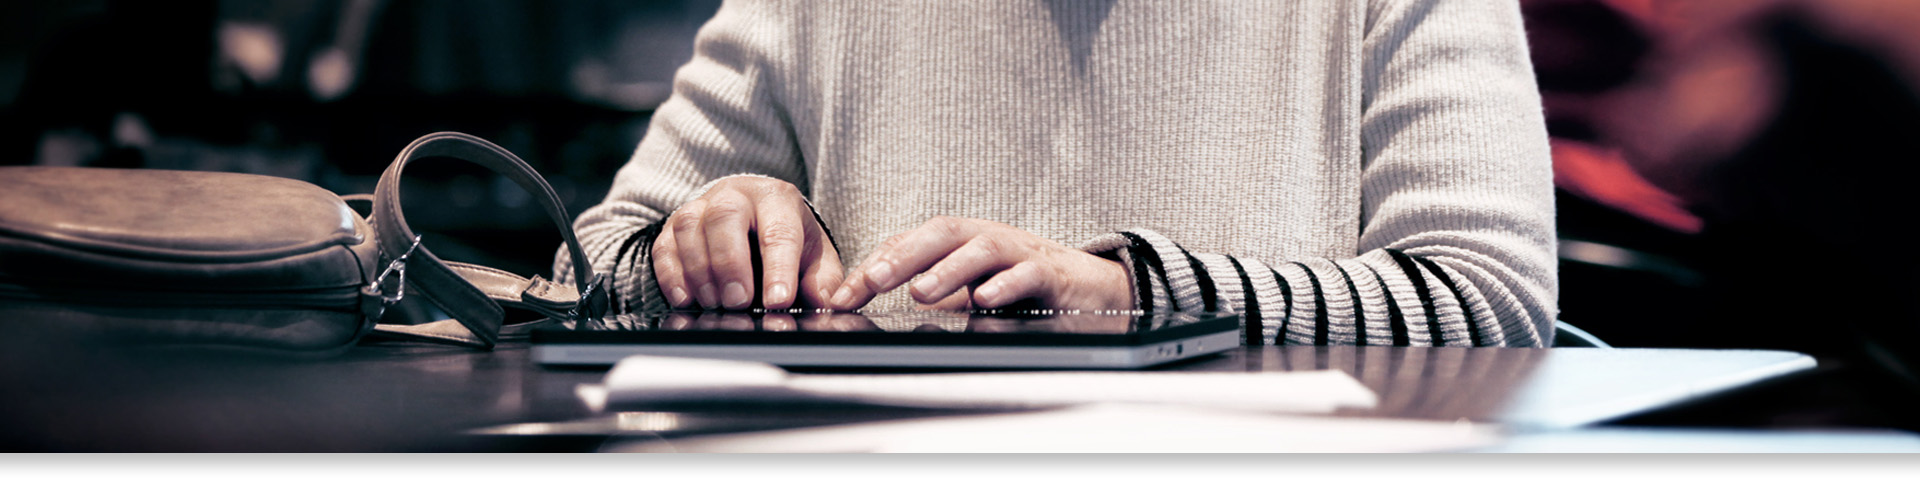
(1336,171)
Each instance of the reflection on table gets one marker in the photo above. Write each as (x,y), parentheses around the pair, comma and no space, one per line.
(66,395)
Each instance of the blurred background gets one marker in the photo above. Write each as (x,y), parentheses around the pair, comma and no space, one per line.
(330,91)
(1730,173)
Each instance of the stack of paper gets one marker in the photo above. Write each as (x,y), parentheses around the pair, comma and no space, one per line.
(1098,429)
(1097,411)
(643,380)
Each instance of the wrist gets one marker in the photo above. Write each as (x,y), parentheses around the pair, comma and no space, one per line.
(1115,284)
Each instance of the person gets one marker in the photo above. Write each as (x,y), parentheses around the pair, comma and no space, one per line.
(1335,172)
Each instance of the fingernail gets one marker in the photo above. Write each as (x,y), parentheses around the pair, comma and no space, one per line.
(677,296)
(735,296)
(880,274)
(841,298)
(926,283)
(990,293)
(706,296)
(777,293)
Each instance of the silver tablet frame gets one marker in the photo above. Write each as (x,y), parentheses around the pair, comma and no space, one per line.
(904,356)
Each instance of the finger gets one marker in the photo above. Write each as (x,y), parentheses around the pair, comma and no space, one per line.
(777,322)
(845,322)
(821,271)
(706,321)
(902,257)
(677,321)
(782,233)
(691,243)
(982,255)
(1024,280)
(958,300)
(992,324)
(737,321)
(733,321)
(815,322)
(726,223)
(667,271)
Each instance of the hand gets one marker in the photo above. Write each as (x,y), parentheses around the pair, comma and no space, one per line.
(1004,265)
(707,253)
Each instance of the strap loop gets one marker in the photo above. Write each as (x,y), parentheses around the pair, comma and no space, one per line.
(471,306)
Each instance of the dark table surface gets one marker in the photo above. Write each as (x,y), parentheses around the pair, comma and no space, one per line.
(410,397)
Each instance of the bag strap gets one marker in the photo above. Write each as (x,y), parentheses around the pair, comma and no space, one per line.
(473,294)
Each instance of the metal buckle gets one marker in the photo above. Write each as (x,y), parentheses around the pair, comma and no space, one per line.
(593,286)
(397,266)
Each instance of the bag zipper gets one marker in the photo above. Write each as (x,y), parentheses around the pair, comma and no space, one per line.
(346,298)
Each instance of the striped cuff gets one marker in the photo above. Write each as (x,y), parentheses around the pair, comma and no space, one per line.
(1382,297)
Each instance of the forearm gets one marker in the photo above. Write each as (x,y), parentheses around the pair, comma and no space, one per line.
(1382,297)
(718,122)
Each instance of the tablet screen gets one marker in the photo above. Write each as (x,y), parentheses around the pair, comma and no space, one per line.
(913,339)
(936,326)
(905,321)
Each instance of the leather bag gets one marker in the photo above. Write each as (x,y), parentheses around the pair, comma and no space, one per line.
(250,262)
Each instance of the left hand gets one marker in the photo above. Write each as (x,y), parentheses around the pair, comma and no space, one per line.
(1003,264)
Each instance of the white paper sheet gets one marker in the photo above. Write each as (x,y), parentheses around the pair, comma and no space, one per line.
(1099,429)
(641,380)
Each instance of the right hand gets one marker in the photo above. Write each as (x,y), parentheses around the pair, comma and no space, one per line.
(705,255)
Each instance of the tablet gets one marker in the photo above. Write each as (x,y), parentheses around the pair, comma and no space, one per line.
(911,339)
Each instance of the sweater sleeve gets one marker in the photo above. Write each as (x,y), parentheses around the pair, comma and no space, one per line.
(724,118)
(1457,237)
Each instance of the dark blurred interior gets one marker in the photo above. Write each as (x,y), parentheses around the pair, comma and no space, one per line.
(329,91)
(1730,173)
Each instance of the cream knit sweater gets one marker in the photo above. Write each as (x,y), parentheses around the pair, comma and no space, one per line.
(1338,171)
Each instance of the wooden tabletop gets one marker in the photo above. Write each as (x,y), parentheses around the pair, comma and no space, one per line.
(408,397)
